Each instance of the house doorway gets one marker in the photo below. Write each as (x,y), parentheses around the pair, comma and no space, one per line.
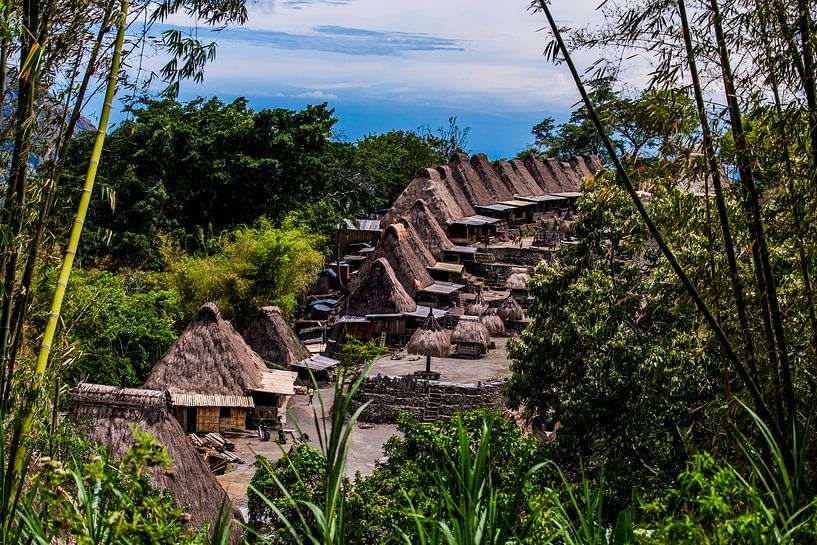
(191,420)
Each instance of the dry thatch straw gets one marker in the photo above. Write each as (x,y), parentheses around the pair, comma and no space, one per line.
(379,292)
(542,174)
(492,322)
(470,181)
(429,229)
(526,178)
(428,186)
(470,330)
(416,241)
(400,251)
(447,178)
(429,340)
(209,357)
(518,280)
(477,306)
(271,338)
(510,311)
(104,414)
(499,190)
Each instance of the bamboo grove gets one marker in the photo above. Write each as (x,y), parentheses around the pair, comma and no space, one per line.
(750,68)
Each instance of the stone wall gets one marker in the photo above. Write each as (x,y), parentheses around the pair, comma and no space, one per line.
(425,400)
(519,256)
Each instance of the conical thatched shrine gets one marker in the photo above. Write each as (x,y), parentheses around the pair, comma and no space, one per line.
(510,310)
(215,379)
(429,340)
(105,414)
(492,322)
(477,307)
(271,338)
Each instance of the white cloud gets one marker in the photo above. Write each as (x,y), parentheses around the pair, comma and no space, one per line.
(318,95)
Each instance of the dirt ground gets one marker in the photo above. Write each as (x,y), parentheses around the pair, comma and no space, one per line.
(367,439)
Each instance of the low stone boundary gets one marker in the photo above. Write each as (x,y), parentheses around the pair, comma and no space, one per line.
(425,400)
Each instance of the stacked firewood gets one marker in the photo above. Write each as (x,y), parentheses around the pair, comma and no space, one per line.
(217,451)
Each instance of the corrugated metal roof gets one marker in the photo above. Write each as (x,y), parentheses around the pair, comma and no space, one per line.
(353,320)
(498,207)
(568,194)
(540,198)
(442,288)
(518,204)
(318,363)
(422,312)
(462,250)
(278,382)
(201,400)
(372,226)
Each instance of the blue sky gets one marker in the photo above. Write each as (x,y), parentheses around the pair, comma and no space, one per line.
(398,64)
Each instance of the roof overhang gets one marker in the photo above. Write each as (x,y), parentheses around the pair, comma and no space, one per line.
(203,400)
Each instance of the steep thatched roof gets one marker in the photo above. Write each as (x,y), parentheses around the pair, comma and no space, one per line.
(401,253)
(416,241)
(518,280)
(469,330)
(270,336)
(527,178)
(470,181)
(517,178)
(581,168)
(572,178)
(477,306)
(104,415)
(427,186)
(491,179)
(447,177)
(492,322)
(378,292)
(429,229)
(430,339)
(209,357)
(542,174)
(510,311)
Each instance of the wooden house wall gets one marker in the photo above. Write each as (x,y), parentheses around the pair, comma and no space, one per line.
(207,419)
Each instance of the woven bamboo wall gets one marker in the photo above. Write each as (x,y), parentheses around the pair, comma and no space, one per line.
(238,419)
(207,419)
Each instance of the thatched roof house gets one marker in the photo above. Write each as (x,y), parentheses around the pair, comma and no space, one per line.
(430,340)
(104,414)
(526,179)
(447,177)
(470,336)
(519,184)
(470,181)
(270,336)
(416,241)
(492,322)
(477,306)
(429,229)
(428,186)
(401,251)
(379,292)
(214,377)
(542,174)
(490,178)
(510,310)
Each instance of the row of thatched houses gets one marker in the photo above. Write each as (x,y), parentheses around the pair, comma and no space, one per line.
(427,234)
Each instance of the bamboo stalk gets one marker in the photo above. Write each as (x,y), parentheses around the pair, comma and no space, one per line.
(624,178)
(76,232)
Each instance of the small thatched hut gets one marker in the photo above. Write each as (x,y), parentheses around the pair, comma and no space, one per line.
(492,322)
(104,414)
(477,306)
(517,282)
(381,300)
(470,336)
(270,336)
(510,310)
(429,340)
(429,229)
(215,379)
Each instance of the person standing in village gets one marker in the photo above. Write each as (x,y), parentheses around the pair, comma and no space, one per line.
(311,393)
